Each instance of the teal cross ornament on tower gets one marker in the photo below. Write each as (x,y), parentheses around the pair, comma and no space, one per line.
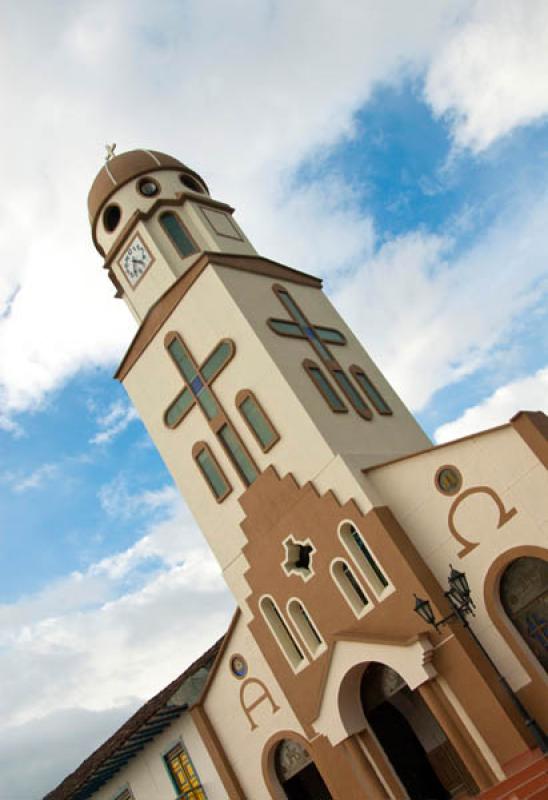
(319,337)
(198,391)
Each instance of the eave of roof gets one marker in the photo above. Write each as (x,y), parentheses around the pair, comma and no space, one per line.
(150,720)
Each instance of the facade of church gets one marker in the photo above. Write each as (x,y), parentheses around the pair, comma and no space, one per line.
(333,519)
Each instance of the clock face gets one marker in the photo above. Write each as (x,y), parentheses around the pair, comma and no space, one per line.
(135,260)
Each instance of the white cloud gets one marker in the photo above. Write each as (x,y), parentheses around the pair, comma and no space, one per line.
(65,738)
(119,630)
(118,501)
(526,394)
(259,88)
(489,77)
(430,316)
(36,479)
(114,422)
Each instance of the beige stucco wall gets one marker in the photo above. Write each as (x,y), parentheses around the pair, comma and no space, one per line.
(376,440)
(243,746)
(227,303)
(147,776)
(499,460)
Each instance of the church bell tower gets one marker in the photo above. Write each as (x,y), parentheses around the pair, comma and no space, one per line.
(240,363)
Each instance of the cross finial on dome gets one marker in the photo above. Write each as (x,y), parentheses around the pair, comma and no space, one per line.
(110,148)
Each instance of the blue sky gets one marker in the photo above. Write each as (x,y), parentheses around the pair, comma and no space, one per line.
(403,156)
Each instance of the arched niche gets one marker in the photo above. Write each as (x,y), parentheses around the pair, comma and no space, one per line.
(524,597)
(289,770)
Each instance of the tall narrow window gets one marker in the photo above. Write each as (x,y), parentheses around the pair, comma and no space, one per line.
(238,455)
(356,546)
(308,631)
(211,471)
(328,393)
(281,633)
(178,235)
(355,398)
(257,420)
(183,774)
(349,587)
(370,390)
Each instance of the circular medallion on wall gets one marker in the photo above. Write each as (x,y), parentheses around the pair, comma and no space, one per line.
(448,480)
(148,187)
(238,666)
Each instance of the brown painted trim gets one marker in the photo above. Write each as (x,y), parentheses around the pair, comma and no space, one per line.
(217,753)
(218,658)
(170,237)
(532,426)
(161,202)
(131,285)
(118,286)
(238,237)
(388,775)
(364,771)
(309,366)
(268,766)
(536,692)
(198,448)
(166,304)
(243,395)
(355,370)
(457,734)
(435,447)
(436,480)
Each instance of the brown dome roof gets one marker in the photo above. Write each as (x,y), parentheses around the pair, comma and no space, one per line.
(123,168)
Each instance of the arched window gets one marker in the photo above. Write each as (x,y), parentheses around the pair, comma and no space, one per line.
(349,587)
(308,631)
(524,597)
(331,397)
(183,774)
(210,469)
(297,773)
(256,420)
(281,633)
(177,233)
(356,546)
(370,390)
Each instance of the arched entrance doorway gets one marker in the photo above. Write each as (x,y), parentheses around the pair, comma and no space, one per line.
(297,773)
(414,743)
(524,597)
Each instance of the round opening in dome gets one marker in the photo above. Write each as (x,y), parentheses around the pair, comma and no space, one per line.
(148,187)
(111,217)
(191,183)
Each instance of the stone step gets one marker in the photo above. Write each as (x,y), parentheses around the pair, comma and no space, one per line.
(529,782)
